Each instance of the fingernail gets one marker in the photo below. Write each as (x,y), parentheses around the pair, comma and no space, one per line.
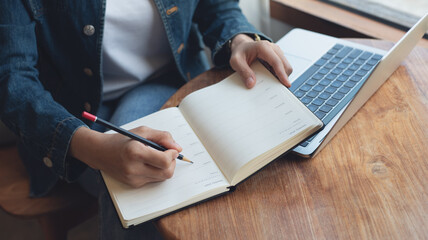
(249,82)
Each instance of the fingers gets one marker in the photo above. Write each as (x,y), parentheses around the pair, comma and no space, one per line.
(159,165)
(162,138)
(287,66)
(273,55)
(144,164)
(240,65)
(245,52)
(151,156)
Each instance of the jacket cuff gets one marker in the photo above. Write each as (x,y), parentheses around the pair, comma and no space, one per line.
(57,158)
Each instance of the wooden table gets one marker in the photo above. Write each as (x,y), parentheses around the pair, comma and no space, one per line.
(369,182)
(326,18)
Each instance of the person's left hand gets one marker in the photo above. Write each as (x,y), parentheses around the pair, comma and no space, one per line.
(245,50)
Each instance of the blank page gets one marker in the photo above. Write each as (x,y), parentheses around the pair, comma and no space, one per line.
(237,124)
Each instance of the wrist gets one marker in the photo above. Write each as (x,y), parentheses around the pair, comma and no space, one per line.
(242,38)
(83,143)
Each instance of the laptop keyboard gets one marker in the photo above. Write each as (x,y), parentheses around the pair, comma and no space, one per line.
(329,84)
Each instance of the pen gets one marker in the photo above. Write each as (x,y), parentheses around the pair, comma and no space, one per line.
(147,142)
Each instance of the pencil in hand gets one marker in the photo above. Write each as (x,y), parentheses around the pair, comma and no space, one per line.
(129,134)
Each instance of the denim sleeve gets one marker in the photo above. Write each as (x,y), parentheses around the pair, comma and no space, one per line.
(42,124)
(219,21)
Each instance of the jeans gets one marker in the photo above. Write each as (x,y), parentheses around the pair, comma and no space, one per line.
(136,103)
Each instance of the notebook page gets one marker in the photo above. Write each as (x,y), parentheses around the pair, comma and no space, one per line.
(237,124)
(189,180)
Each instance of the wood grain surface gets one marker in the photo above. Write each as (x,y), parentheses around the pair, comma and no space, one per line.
(369,182)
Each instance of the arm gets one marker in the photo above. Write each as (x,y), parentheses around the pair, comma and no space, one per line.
(48,130)
(42,124)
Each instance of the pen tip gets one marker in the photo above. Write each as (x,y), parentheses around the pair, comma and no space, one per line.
(187,160)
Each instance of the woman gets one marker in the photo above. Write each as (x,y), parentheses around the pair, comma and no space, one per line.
(121,61)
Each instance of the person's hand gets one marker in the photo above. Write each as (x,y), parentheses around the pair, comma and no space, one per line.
(126,160)
(245,50)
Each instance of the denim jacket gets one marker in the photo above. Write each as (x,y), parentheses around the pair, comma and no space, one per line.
(50,69)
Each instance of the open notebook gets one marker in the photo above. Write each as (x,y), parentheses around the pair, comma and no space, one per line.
(228,131)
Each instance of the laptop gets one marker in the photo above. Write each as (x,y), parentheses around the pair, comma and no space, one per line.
(334,77)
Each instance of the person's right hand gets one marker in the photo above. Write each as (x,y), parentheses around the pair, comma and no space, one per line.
(127,160)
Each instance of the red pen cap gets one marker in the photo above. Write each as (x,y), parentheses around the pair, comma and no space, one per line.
(89,116)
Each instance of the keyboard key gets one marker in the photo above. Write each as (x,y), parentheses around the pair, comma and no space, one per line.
(305,88)
(350,84)
(366,67)
(331,77)
(320,114)
(344,52)
(311,82)
(338,46)
(359,62)
(299,94)
(338,96)
(336,71)
(318,102)
(333,51)
(342,78)
(324,96)
(304,144)
(355,53)
(332,102)
(337,84)
(318,88)
(361,73)
(354,67)
(318,76)
(325,82)
(335,60)
(344,90)
(330,65)
(372,61)
(312,94)
(348,73)
(320,62)
(355,78)
(327,56)
(325,108)
(348,60)
(331,89)
(313,107)
(306,100)
(323,71)
(342,65)
(377,57)
(366,55)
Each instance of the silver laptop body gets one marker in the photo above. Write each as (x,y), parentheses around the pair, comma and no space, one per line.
(304,49)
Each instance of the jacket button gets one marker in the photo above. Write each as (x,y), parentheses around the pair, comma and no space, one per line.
(89,30)
(88,72)
(180,48)
(47,161)
(87,106)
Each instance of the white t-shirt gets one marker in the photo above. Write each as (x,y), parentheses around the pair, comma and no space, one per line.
(134,45)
